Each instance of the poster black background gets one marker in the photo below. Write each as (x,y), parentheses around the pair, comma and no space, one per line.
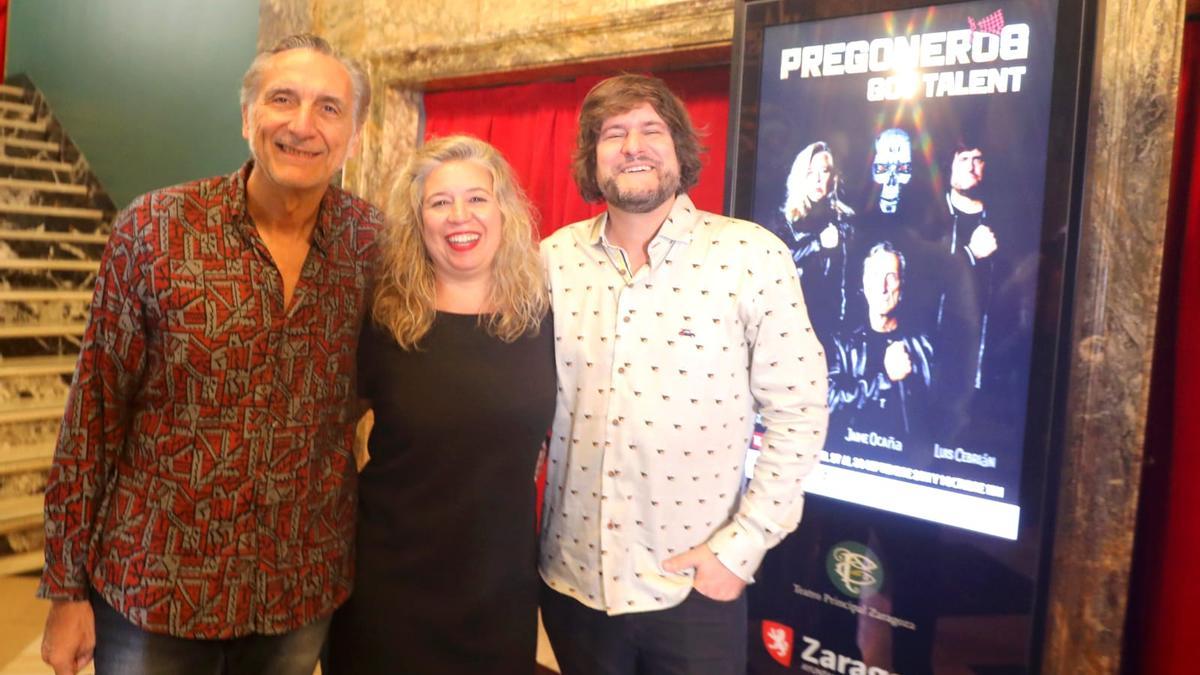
(1012,128)
(977,601)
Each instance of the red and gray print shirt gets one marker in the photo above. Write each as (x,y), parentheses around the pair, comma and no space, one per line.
(203,481)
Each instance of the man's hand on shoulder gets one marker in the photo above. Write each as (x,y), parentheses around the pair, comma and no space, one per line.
(70,636)
(712,578)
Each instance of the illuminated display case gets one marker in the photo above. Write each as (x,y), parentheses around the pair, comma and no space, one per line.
(922,163)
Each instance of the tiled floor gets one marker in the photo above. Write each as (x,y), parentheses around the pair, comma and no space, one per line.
(22,617)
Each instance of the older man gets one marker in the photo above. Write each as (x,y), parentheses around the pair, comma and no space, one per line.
(879,372)
(200,510)
(673,327)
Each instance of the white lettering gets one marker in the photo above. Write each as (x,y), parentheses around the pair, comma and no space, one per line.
(881,55)
(973,82)
(964,456)
(856,57)
(789,61)
(810,62)
(902,53)
(806,592)
(889,619)
(985,47)
(873,439)
(1014,42)
(834,52)
(931,50)
(958,47)
(979,459)
(907,51)
(835,662)
(1015,72)
(809,653)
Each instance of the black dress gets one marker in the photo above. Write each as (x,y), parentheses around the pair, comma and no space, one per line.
(446,572)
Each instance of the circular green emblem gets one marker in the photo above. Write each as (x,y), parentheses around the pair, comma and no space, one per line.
(854,569)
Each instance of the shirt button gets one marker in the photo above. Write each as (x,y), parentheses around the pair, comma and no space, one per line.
(613,473)
(626,319)
(616,422)
(621,370)
(613,526)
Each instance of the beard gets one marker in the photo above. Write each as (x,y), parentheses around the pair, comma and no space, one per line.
(640,201)
(975,191)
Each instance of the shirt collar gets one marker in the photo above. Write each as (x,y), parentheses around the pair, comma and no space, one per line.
(236,192)
(322,231)
(680,223)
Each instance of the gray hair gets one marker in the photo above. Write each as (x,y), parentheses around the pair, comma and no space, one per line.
(361,86)
(888,248)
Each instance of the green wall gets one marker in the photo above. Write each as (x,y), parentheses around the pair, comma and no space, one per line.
(148,89)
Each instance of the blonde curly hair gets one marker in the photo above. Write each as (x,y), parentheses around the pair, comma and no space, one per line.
(405,295)
(797,205)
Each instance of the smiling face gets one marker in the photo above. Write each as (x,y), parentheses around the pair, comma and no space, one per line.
(300,125)
(461,221)
(636,166)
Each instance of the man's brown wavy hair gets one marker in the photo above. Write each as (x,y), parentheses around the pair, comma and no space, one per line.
(616,96)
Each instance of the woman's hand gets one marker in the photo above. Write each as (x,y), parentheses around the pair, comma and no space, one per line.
(829,236)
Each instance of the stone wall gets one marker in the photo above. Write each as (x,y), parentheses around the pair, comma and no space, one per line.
(411,43)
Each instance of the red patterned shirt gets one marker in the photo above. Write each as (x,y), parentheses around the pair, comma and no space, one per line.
(204,479)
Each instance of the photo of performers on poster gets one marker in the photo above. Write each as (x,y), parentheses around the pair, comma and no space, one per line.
(901,157)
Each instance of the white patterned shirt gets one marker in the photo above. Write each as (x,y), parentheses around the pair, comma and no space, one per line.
(660,374)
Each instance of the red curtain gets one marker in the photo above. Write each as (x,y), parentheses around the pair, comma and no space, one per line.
(3,37)
(1169,532)
(534,125)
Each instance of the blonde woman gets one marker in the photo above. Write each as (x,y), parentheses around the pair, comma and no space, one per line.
(816,224)
(458,363)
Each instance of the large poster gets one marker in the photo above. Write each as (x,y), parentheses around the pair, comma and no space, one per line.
(901,157)
(920,163)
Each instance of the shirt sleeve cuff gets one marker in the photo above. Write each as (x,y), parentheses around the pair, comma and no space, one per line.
(737,551)
(58,588)
(46,592)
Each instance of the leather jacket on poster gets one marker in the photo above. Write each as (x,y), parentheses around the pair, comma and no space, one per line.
(822,270)
(862,395)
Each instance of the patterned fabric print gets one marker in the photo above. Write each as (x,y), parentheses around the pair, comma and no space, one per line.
(660,376)
(204,479)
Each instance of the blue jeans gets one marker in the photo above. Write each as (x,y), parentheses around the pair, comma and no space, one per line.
(124,649)
(700,636)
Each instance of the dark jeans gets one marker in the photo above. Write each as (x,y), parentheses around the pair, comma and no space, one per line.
(700,636)
(124,649)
